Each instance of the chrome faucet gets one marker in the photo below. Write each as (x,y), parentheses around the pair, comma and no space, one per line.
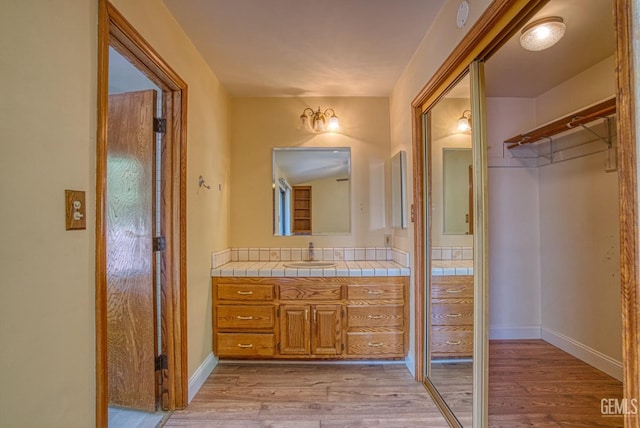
(311,255)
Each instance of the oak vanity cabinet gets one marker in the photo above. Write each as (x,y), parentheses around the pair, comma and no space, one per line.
(244,321)
(451,316)
(376,317)
(310,329)
(310,318)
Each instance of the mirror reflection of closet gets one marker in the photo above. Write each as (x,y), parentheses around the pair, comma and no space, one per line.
(449,353)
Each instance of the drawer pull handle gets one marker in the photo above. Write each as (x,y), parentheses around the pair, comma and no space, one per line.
(245,293)
(375,344)
(456,342)
(456,291)
(454,315)
(375,317)
(245,346)
(376,292)
(240,317)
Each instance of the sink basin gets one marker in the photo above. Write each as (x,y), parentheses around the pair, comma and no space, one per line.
(310,265)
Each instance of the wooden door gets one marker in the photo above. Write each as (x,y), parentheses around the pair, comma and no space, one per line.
(131,308)
(325,331)
(294,329)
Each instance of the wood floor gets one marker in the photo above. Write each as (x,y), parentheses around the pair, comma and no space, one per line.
(534,384)
(531,384)
(310,396)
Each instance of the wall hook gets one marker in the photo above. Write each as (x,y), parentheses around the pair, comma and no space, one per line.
(201,183)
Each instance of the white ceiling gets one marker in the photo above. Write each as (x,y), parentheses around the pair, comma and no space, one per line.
(264,48)
(306,48)
(589,39)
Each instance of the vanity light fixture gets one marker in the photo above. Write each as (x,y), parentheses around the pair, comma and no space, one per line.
(464,123)
(542,33)
(317,120)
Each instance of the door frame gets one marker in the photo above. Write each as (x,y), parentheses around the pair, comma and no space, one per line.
(114,30)
(500,20)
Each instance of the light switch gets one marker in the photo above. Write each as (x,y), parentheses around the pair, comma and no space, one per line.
(75,209)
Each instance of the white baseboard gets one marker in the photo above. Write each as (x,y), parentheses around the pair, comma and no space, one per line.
(201,374)
(411,364)
(583,352)
(513,333)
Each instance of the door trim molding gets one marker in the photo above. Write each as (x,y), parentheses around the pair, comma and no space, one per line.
(115,30)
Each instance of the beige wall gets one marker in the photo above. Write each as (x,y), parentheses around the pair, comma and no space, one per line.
(260,124)
(48,104)
(48,127)
(436,46)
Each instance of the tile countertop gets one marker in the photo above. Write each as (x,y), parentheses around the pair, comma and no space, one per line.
(452,267)
(350,268)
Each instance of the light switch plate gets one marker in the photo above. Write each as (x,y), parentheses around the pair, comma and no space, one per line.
(75,210)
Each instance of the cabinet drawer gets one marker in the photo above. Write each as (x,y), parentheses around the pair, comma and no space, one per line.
(310,291)
(375,343)
(245,292)
(245,344)
(458,286)
(375,291)
(452,312)
(245,317)
(375,316)
(451,341)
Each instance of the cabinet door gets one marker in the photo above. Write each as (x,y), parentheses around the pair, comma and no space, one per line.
(326,328)
(294,329)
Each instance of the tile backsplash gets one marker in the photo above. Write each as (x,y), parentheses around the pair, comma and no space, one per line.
(452,253)
(295,254)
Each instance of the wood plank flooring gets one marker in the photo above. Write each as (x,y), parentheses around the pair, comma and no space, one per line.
(533,383)
(310,396)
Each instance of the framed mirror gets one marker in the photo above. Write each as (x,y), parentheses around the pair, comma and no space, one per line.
(399,190)
(311,191)
(457,191)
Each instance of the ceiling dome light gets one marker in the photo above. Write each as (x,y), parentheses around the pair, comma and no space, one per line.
(542,34)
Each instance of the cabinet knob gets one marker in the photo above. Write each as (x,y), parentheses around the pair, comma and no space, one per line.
(454,315)
(245,293)
(375,344)
(375,317)
(455,342)
(376,292)
(240,317)
(245,345)
(456,291)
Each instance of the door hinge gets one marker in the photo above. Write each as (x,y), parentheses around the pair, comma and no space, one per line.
(342,346)
(161,362)
(278,346)
(159,243)
(159,125)
(278,312)
(413,214)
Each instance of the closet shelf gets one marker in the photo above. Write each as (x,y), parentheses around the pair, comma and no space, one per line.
(589,114)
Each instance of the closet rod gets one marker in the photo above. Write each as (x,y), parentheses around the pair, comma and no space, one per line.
(589,114)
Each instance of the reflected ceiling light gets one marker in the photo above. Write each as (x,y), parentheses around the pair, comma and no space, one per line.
(542,34)
(317,120)
(464,123)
